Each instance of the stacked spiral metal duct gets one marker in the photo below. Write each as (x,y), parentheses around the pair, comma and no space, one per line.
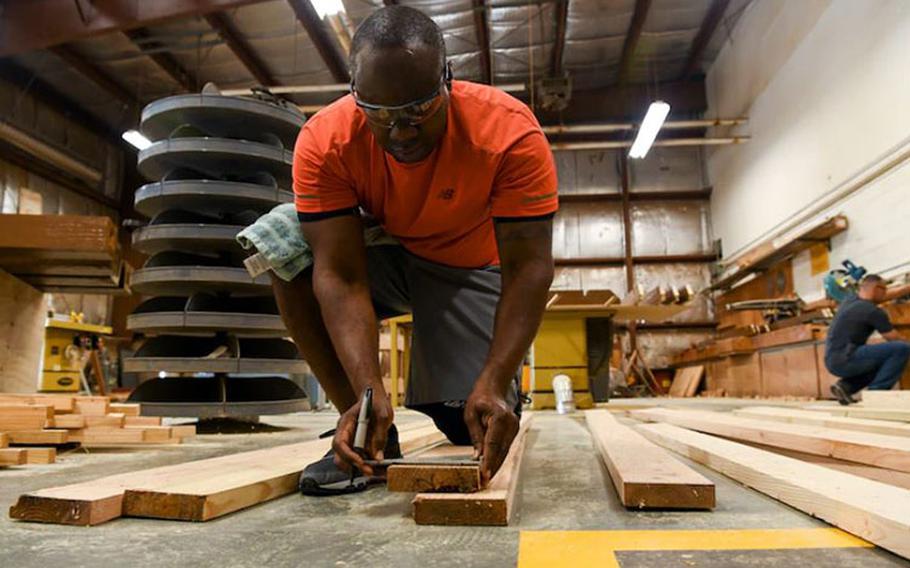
(215,164)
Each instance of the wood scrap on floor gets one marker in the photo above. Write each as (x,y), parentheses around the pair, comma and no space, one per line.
(492,506)
(429,472)
(796,416)
(686,381)
(646,476)
(879,450)
(876,512)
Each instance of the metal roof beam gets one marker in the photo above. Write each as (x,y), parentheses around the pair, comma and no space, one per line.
(165,61)
(322,39)
(238,45)
(482,29)
(94,74)
(24,79)
(708,27)
(632,36)
(24,26)
(559,45)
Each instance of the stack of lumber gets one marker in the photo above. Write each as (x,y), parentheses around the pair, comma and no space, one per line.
(193,491)
(853,473)
(90,421)
(63,253)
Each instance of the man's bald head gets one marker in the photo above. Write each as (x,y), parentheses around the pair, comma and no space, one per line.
(398,27)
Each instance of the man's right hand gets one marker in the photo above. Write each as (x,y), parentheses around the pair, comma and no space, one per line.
(377,433)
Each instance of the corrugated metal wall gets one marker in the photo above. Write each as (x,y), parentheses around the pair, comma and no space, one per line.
(594,229)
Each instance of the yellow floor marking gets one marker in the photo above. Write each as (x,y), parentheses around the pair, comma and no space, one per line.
(584,549)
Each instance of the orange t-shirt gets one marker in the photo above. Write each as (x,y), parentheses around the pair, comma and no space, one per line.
(493,161)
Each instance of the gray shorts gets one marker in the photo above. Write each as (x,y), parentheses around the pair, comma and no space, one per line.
(453,310)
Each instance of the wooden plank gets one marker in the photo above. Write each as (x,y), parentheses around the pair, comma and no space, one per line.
(201,492)
(110,420)
(40,455)
(25,416)
(4,440)
(69,421)
(39,437)
(141,420)
(12,456)
(890,399)
(795,416)
(445,478)
(59,402)
(873,511)
(889,476)
(891,452)
(183,431)
(492,506)
(93,405)
(154,434)
(101,436)
(787,336)
(857,411)
(644,475)
(128,409)
(686,379)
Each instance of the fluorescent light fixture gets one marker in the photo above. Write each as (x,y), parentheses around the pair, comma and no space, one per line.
(328,7)
(649,128)
(136,138)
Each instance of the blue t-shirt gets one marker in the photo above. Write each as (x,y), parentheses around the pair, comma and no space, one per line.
(855,321)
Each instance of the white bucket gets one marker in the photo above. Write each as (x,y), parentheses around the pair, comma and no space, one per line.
(562,390)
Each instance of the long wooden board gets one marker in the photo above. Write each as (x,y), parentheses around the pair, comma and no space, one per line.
(889,476)
(876,512)
(101,500)
(892,452)
(492,506)
(646,476)
(891,399)
(38,437)
(61,403)
(201,493)
(859,411)
(4,440)
(795,416)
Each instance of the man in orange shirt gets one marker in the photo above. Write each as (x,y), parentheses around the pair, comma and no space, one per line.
(461,175)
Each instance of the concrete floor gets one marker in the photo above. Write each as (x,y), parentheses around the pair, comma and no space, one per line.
(564,488)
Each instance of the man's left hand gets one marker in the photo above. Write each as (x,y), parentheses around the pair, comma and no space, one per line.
(493,425)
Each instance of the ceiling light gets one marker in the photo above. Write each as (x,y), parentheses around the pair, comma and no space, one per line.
(136,138)
(649,128)
(328,7)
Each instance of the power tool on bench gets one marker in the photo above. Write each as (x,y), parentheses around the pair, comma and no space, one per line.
(841,283)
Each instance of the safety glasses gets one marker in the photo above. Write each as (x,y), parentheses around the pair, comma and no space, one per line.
(413,113)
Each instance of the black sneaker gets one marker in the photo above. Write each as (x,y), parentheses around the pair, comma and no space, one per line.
(841,393)
(324,478)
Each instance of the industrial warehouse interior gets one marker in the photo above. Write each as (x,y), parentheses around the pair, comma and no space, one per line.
(532,283)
